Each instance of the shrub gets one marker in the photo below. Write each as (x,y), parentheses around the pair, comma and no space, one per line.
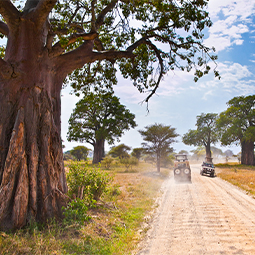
(76,210)
(129,162)
(86,183)
(107,162)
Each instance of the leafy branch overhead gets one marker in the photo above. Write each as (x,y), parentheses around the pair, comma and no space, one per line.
(145,39)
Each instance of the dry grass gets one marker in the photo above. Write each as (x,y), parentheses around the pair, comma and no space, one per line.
(239,175)
(116,225)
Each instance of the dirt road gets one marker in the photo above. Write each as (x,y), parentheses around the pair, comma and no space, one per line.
(206,216)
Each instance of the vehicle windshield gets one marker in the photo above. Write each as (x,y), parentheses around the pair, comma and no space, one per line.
(181,157)
(208,164)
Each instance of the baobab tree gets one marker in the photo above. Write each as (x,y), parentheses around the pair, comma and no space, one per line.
(99,117)
(205,134)
(237,126)
(49,39)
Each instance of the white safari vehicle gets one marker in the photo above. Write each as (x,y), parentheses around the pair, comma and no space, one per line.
(182,171)
(208,169)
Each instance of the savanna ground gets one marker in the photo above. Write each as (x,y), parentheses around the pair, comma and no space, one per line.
(116,224)
(239,175)
(120,219)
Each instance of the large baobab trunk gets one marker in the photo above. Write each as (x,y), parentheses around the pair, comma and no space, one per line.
(32,177)
(208,153)
(247,157)
(98,151)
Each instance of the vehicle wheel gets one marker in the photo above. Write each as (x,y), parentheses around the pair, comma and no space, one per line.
(186,171)
(177,171)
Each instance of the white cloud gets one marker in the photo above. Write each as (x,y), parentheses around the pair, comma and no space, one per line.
(207,94)
(244,9)
(235,79)
(238,17)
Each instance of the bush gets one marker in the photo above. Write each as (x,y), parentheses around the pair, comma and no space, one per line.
(76,210)
(86,183)
(129,162)
(107,162)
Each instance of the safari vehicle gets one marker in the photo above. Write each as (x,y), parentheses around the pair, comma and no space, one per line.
(182,171)
(208,169)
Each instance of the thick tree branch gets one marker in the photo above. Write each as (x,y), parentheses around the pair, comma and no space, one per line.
(6,69)
(93,16)
(101,16)
(43,9)
(4,28)
(85,54)
(10,13)
(136,44)
(59,49)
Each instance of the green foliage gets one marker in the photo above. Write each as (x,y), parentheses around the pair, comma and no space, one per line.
(158,139)
(137,153)
(86,183)
(135,35)
(80,152)
(237,123)
(107,162)
(149,158)
(152,30)
(97,118)
(76,211)
(120,151)
(129,162)
(68,156)
(206,133)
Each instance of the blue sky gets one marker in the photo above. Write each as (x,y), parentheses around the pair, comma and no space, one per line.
(179,99)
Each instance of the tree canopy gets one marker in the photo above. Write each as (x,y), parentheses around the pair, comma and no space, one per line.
(158,139)
(128,33)
(99,117)
(237,125)
(137,153)
(120,151)
(205,134)
(80,152)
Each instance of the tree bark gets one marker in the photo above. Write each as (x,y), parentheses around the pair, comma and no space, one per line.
(247,157)
(32,176)
(98,151)
(208,153)
(158,162)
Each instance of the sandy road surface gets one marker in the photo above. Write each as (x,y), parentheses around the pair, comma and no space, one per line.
(206,216)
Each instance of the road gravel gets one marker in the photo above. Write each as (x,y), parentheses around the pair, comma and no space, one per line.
(206,216)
